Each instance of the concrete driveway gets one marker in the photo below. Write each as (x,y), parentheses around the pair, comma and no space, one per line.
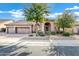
(22,45)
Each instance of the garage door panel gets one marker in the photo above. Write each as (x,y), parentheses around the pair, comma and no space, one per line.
(23,30)
(11,30)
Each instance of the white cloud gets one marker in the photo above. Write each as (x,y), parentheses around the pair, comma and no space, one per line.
(73,8)
(1,11)
(16,13)
(57,14)
(52,16)
(76,13)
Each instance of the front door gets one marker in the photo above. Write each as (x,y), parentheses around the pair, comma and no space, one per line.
(47,27)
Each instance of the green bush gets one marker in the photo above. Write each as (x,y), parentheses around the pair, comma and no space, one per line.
(53,33)
(66,34)
(31,35)
(59,32)
(72,33)
(48,32)
(40,33)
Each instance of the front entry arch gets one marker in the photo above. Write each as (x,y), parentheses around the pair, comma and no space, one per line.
(47,26)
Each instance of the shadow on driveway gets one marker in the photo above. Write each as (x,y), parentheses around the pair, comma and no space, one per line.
(67,50)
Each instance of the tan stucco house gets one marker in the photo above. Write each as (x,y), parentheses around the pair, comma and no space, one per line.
(25,27)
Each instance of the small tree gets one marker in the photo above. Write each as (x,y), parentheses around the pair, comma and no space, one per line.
(57,23)
(66,20)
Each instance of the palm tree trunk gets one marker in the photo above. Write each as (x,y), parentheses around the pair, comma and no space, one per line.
(36,28)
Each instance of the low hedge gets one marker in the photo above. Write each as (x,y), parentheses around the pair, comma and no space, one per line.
(48,32)
(31,35)
(40,34)
(53,33)
(66,34)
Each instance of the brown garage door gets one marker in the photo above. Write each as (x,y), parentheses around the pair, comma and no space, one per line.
(23,30)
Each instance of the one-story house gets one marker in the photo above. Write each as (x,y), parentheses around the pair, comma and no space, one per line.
(24,27)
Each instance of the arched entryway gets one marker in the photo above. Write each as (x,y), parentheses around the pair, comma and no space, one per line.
(47,26)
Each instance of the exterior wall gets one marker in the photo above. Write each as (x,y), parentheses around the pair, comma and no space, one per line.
(69,30)
(42,27)
(76,29)
(52,27)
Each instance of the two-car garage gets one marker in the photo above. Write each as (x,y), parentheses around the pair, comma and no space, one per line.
(19,28)
(23,30)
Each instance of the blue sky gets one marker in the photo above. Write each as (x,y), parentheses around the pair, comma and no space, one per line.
(15,10)
(60,7)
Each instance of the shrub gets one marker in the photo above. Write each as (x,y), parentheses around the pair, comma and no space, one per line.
(53,33)
(66,34)
(72,33)
(48,32)
(59,32)
(40,33)
(31,35)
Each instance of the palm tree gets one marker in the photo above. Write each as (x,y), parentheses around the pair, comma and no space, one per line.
(36,13)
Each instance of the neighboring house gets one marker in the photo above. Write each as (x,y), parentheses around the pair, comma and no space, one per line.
(76,27)
(23,27)
(2,24)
